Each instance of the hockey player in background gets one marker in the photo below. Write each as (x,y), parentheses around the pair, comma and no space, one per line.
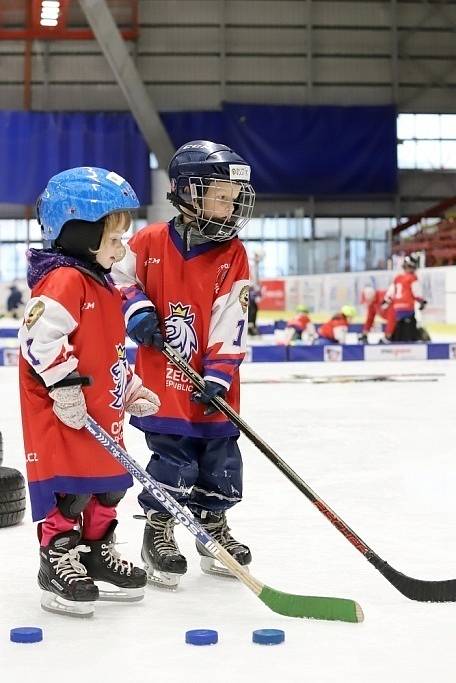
(403,294)
(188,281)
(300,327)
(73,327)
(254,299)
(374,300)
(335,330)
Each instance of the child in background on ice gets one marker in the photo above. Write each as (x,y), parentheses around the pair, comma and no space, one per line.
(374,300)
(73,327)
(335,330)
(300,327)
(402,294)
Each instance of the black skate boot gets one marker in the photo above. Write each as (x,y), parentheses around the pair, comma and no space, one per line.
(104,564)
(216,525)
(67,589)
(163,562)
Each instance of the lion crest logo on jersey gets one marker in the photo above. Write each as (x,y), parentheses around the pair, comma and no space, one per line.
(244,298)
(119,375)
(180,333)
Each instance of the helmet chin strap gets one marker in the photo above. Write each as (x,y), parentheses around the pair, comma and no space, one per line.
(193,224)
(188,226)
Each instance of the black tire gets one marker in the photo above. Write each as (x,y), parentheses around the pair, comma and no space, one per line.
(12,497)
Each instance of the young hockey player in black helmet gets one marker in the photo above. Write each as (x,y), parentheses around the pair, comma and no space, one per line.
(73,327)
(403,294)
(188,281)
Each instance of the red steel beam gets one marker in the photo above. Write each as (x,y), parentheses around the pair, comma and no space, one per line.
(33,30)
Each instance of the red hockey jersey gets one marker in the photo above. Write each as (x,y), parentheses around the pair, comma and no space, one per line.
(72,322)
(201,297)
(299,322)
(335,329)
(374,307)
(404,291)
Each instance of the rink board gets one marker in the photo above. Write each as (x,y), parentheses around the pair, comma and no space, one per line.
(270,328)
(315,354)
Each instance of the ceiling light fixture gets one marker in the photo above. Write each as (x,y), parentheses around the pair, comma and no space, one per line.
(50,10)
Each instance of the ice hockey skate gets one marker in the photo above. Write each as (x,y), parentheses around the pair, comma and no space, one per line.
(162,559)
(216,525)
(122,581)
(67,589)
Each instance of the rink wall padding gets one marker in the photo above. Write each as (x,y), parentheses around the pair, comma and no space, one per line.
(270,328)
(315,354)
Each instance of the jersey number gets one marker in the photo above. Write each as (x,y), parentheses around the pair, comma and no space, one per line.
(237,341)
(34,360)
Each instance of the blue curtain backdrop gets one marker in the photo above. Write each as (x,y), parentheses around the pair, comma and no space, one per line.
(36,145)
(302,150)
(292,150)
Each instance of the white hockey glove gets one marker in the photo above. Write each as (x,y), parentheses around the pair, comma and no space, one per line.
(70,406)
(140,401)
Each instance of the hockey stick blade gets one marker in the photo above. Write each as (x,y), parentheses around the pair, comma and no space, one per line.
(414,589)
(329,608)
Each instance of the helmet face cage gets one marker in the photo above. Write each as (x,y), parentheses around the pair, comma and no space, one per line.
(217,218)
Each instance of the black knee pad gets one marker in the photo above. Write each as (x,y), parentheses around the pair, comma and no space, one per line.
(72,505)
(110,499)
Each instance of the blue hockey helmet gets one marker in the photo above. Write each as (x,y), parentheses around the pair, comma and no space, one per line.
(193,169)
(84,194)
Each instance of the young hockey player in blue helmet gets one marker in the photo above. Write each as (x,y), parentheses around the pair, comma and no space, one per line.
(188,281)
(73,327)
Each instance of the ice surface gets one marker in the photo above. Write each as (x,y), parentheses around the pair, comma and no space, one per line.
(380,454)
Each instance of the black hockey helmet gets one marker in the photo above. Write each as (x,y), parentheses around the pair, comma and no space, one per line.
(410,261)
(193,169)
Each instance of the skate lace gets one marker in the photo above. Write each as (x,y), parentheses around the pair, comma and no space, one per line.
(221,532)
(166,543)
(114,560)
(68,567)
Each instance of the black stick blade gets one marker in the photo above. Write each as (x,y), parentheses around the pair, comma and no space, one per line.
(416,589)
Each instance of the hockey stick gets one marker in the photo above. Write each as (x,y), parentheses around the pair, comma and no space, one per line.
(415,589)
(313,607)
(391,377)
(296,379)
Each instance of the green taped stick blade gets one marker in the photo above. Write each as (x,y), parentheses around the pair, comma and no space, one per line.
(311,607)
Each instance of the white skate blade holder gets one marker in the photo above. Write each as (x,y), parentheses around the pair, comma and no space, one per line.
(51,602)
(159,579)
(110,593)
(210,565)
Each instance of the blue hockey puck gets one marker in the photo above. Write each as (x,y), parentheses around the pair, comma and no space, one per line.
(268,636)
(201,636)
(26,634)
